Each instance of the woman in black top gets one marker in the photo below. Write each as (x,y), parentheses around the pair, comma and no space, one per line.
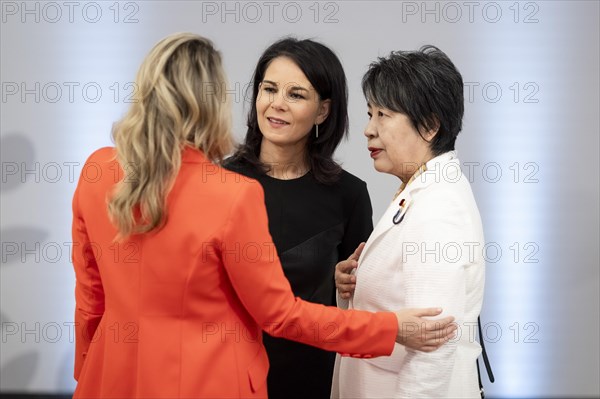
(318,213)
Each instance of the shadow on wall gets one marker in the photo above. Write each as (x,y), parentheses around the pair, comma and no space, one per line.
(18,154)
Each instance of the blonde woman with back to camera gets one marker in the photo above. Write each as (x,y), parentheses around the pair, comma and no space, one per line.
(178,313)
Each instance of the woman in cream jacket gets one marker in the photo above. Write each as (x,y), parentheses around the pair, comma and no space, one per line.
(427,247)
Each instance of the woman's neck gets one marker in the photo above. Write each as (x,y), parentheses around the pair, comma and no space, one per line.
(285,163)
(413,168)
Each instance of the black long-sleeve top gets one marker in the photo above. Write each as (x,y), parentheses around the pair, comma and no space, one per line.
(313,227)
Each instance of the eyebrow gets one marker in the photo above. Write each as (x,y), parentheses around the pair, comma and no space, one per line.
(298,88)
(292,88)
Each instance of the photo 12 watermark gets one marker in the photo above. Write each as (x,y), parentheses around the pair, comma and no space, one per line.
(493,332)
(253,12)
(453,252)
(67,92)
(54,172)
(50,252)
(55,12)
(251,252)
(453,12)
(127,332)
(92,92)
(517,172)
(494,92)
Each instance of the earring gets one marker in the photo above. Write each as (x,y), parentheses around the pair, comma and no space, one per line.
(317,130)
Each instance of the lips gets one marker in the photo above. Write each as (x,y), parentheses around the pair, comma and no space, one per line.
(375,151)
(277,121)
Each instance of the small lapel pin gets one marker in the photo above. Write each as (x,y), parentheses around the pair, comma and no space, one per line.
(399,216)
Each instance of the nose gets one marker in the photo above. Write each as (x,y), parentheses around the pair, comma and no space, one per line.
(370,129)
(278,101)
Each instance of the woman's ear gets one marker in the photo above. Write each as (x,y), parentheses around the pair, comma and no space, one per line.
(428,133)
(323,111)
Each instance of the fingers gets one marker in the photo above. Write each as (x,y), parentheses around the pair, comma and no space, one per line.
(344,268)
(432,341)
(440,334)
(439,331)
(424,334)
(439,324)
(357,252)
(345,282)
(346,295)
(343,288)
(439,327)
(426,312)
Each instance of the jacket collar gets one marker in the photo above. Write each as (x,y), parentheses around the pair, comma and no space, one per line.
(444,166)
(193,155)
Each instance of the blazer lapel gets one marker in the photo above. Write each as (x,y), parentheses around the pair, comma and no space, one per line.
(436,168)
(386,222)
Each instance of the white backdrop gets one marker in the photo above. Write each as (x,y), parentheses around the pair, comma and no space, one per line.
(530,143)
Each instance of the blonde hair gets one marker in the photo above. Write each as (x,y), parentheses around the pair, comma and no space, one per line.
(180,100)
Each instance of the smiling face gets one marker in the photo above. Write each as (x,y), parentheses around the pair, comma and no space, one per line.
(287,106)
(395,145)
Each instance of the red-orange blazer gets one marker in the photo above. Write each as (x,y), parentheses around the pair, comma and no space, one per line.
(177,313)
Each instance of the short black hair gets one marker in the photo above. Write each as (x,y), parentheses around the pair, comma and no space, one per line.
(324,71)
(425,86)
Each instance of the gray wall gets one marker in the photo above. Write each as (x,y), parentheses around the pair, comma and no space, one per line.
(530,136)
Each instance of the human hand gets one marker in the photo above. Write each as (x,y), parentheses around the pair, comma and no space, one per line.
(422,334)
(345,282)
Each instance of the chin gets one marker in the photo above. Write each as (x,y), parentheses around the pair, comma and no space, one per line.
(379,168)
